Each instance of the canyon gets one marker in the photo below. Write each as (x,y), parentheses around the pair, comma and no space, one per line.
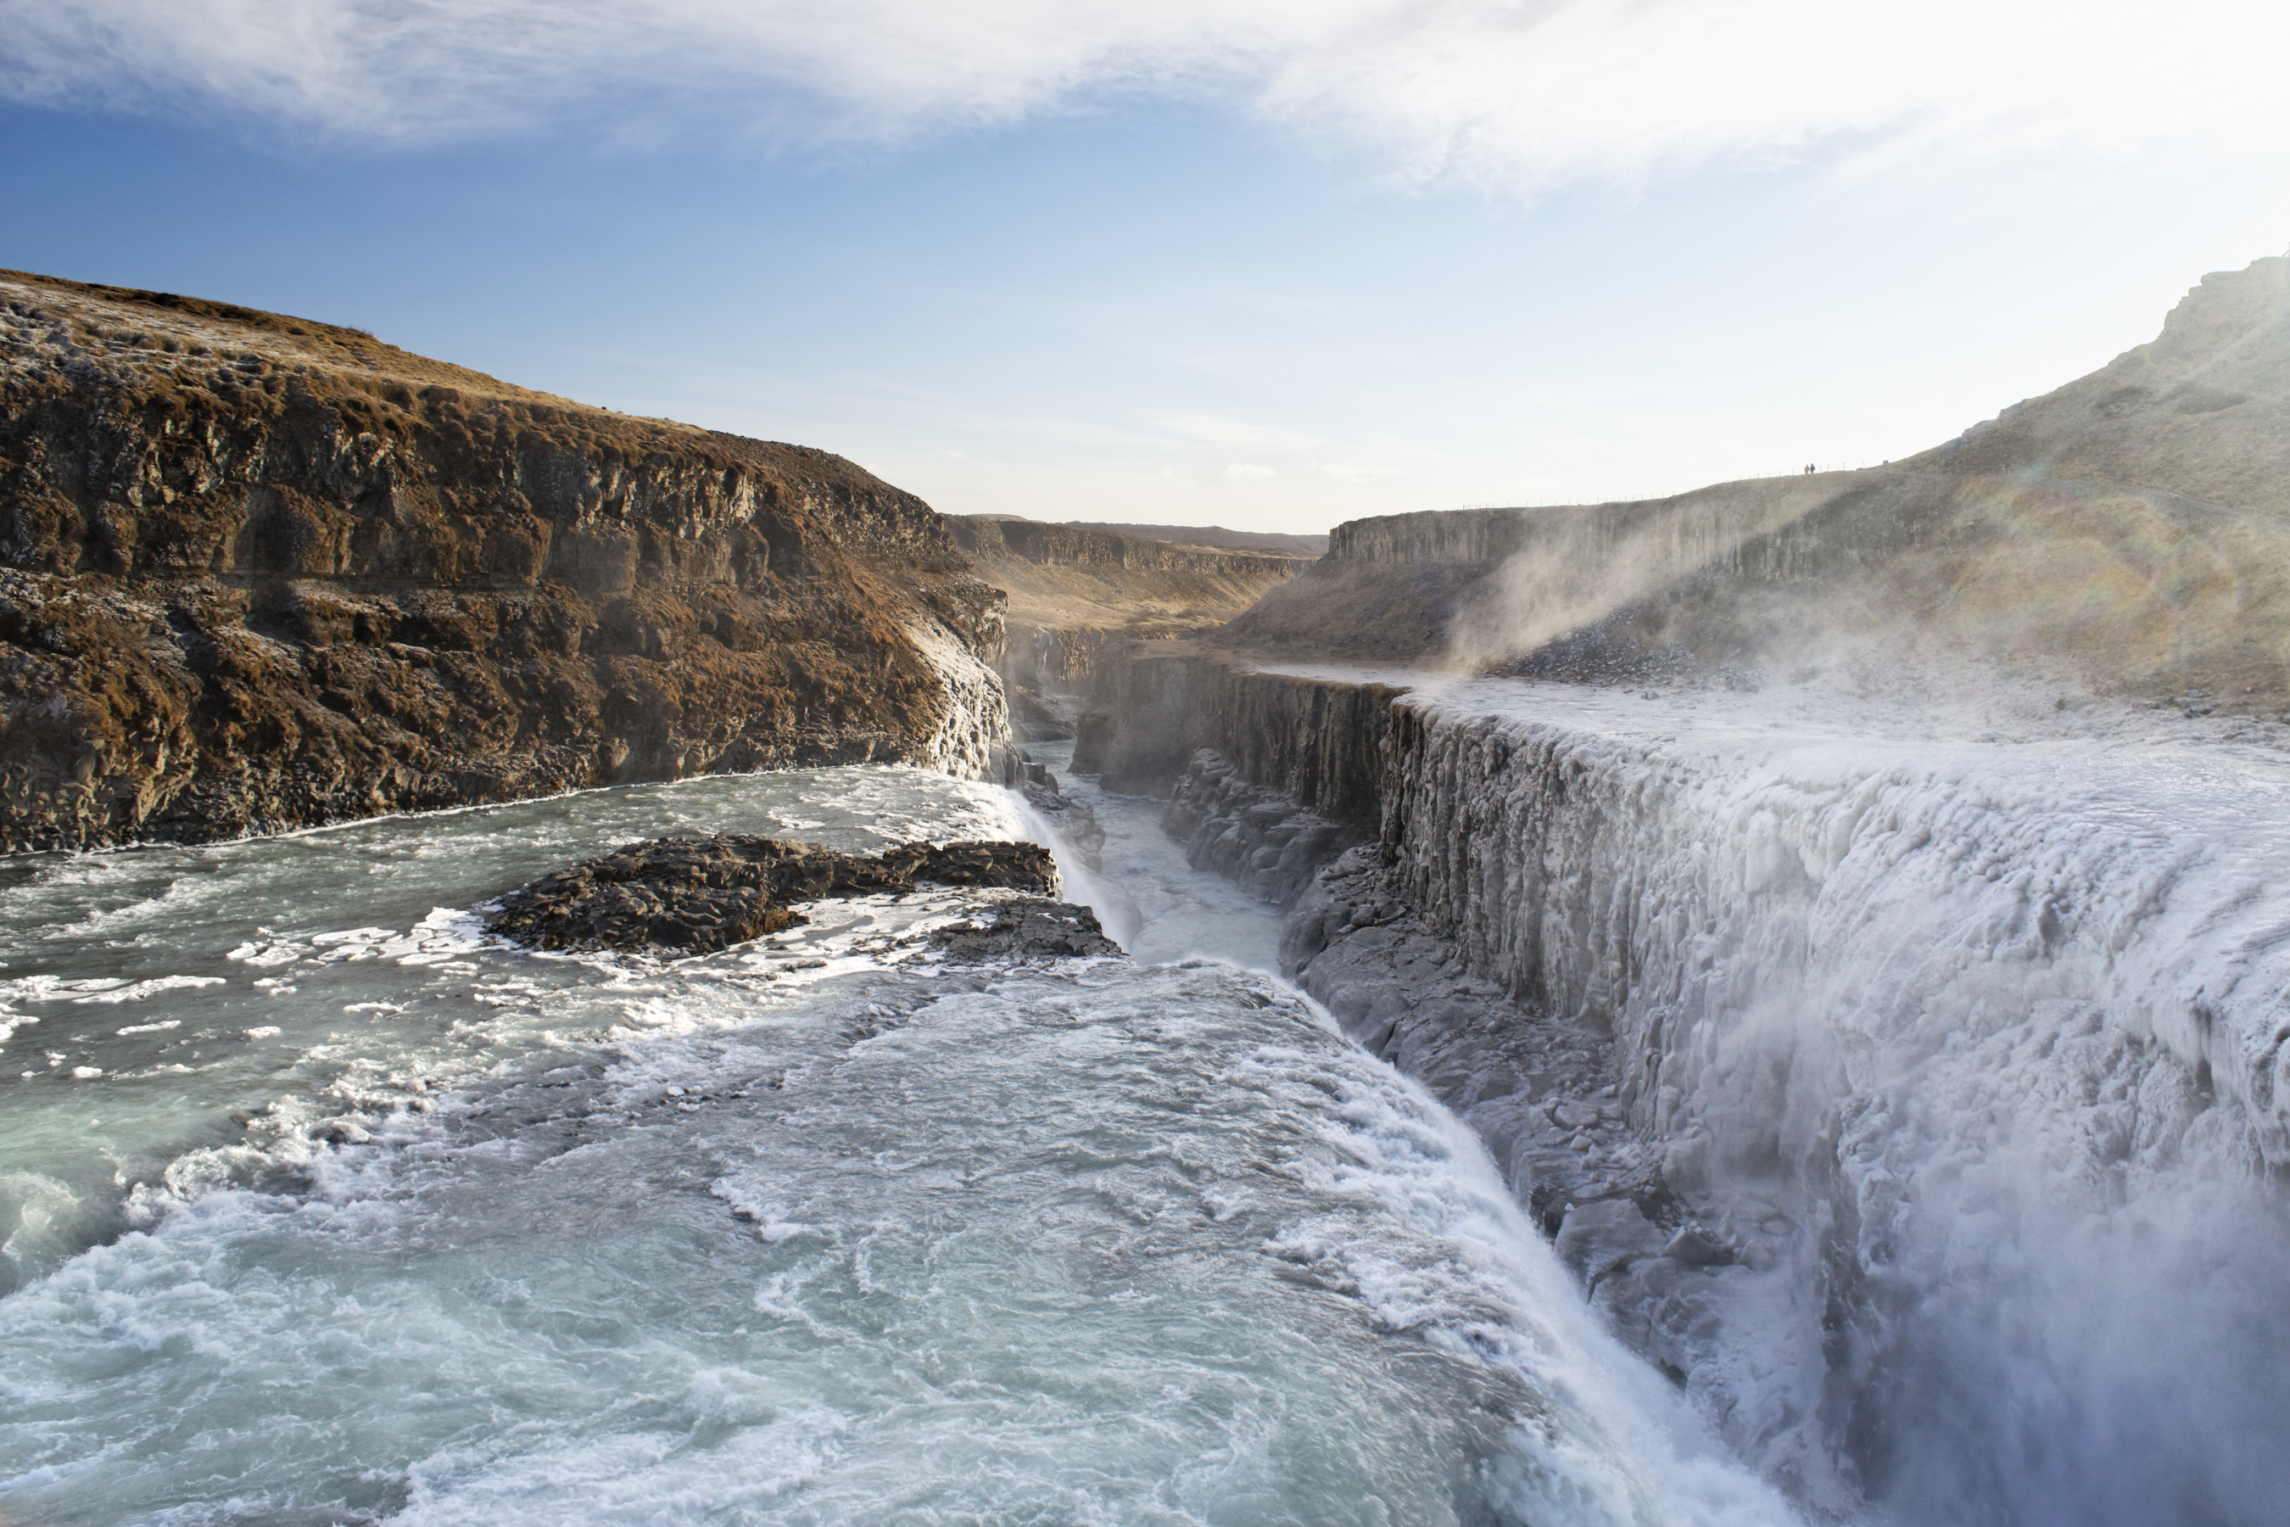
(1083,597)
(1844,908)
(1840,905)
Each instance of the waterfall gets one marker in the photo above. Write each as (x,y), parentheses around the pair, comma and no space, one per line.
(1967,1056)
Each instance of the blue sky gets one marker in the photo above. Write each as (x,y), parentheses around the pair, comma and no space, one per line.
(1095,261)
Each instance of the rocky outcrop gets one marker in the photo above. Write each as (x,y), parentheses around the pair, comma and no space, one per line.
(1253,835)
(259,573)
(695,895)
(1026,930)
(1070,821)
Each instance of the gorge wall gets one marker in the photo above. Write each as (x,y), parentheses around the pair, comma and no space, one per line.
(1315,741)
(1944,1050)
(258,573)
(1267,542)
(1082,596)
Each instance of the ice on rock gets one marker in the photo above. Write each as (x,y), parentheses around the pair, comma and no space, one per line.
(1945,1072)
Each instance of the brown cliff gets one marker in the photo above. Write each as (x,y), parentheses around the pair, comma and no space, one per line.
(258,573)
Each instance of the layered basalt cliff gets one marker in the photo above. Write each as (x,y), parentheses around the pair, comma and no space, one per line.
(258,573)
(1313,739)
(1255,836)
(1851,1069)
(1081,597)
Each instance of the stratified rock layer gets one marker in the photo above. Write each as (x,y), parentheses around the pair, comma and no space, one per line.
(1081,596)
(258,573)
(695,895)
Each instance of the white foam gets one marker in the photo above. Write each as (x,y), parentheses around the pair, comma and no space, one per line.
(136,991)
(1474,1278)
(1946,1010)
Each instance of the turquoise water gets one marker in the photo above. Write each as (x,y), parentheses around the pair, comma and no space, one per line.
(320,1208)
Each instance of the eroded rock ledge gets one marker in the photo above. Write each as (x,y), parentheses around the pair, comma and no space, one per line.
(1251,834)
(695,895)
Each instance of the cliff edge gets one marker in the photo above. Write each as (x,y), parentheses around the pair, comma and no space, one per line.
(259,573)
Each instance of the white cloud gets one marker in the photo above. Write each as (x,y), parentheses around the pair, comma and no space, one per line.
(1353,471)
(1521,95)
(1249,469)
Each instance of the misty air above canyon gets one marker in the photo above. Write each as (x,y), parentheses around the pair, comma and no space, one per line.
(1258,921)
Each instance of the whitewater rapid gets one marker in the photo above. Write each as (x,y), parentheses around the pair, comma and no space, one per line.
(1959,1030)
(320,1207)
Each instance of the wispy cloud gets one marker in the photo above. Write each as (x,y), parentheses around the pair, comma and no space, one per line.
(1521,95)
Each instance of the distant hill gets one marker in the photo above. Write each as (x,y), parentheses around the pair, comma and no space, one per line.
(2130,530)
(1218,537)
(1090,576)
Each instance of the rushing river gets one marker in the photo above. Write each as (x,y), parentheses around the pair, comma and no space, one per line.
(318,1207)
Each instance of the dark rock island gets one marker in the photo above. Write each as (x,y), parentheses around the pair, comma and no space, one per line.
(695,895)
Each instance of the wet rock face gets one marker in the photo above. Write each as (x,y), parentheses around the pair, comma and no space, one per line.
(1074,823)
(695,895)
(1537,1089)
(1027,930)
(257,573)
(1667,1266)
(1318,742)
(1253,836)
